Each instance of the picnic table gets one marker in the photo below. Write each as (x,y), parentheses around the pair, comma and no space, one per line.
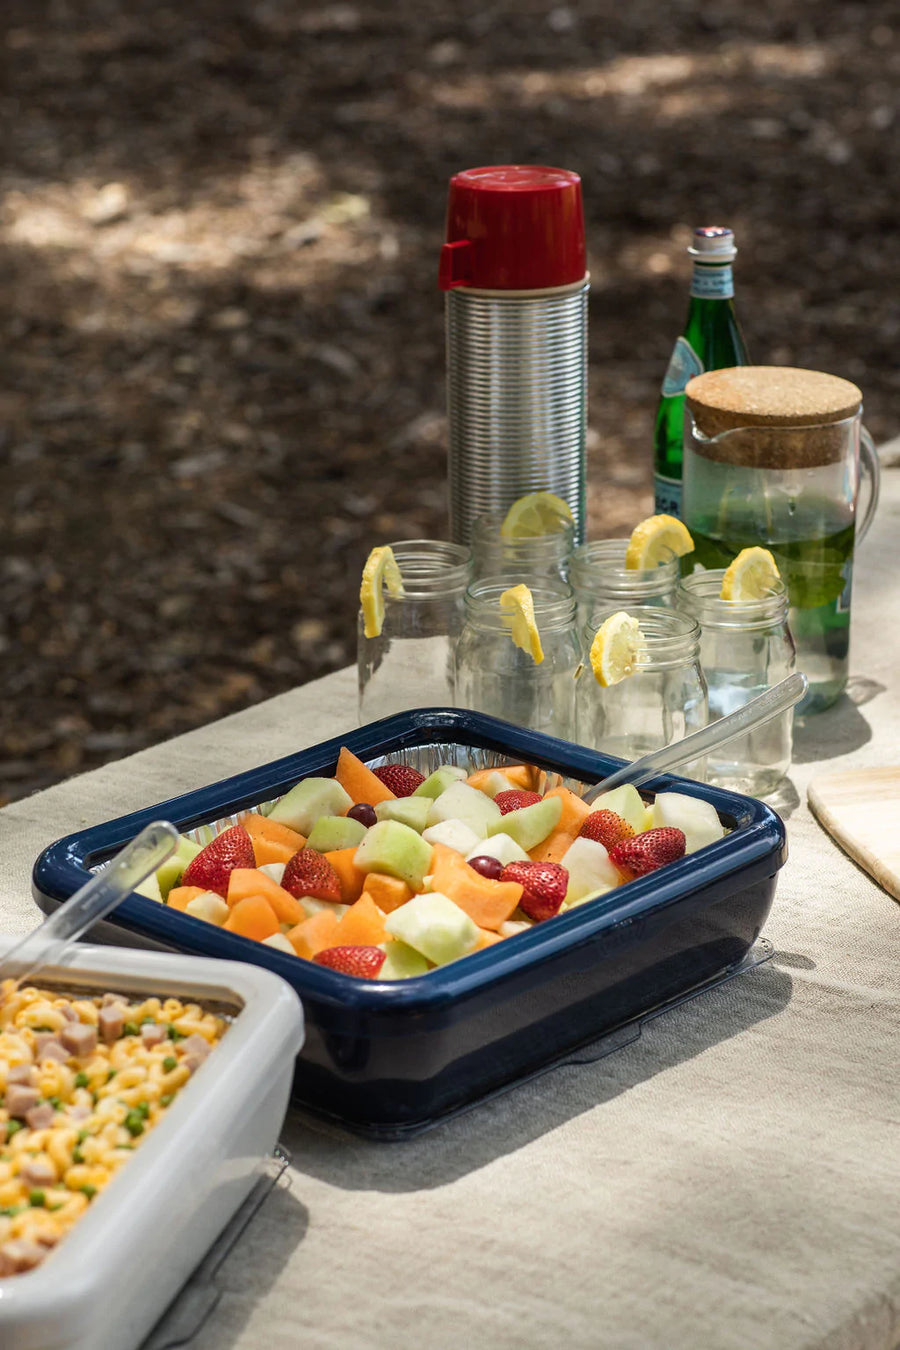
(729,1180)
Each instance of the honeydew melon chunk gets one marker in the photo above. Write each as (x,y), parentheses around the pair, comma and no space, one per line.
(501,846)
(590,870)
(149,887)
(208,906)
(583,899)
(169,873)
(310,906)
(435,926)
(496,782)
(307,801)
(280,943)
(513,926)
(333,832)
(439,781)
(627,802)
(411,811)
(460,801)
(530,825)
(275,871)
(394,848)
(698,819)
(455,834)
(403,962)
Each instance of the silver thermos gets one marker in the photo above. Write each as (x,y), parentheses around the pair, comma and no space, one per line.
(515,276)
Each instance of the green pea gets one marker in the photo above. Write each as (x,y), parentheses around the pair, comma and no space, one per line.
(89,1191)
(81,1079)
(169,1063)
(36,1199)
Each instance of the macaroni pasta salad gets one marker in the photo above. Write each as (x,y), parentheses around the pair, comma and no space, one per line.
(83,1079)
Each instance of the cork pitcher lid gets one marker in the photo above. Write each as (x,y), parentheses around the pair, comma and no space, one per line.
(782,414)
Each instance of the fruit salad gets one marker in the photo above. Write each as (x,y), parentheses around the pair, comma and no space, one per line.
(385,873)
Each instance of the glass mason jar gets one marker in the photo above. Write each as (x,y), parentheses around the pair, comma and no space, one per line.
(495,676)
(410,665)
(745,647)
(544,555)
(662,701)
(599,578)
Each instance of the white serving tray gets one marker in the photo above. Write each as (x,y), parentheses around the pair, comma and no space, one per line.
(115,1272)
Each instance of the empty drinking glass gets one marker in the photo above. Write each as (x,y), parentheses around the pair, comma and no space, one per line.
(544,555)
(410,665)
(662,701)
(745,646)
(495,676)
(599,578)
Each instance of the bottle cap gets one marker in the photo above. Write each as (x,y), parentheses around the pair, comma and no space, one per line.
(713,244)
(514,227)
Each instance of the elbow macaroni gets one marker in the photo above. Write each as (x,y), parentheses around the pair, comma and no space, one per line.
(104,1104)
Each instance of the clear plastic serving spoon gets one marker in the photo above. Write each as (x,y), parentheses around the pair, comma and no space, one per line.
(754,713)
(44,945)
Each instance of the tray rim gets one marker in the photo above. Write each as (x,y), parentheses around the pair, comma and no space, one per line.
(757,845)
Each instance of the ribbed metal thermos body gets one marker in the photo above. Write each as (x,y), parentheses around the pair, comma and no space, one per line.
(514,272)
(516,399)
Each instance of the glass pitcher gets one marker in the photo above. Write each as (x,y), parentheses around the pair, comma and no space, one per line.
(790,485)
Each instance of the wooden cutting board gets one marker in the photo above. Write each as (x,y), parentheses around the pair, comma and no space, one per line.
(860,808)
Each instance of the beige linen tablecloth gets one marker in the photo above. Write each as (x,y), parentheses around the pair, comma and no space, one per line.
(730,1181)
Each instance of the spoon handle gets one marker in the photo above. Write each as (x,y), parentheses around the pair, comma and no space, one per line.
(754,712)
(91,902)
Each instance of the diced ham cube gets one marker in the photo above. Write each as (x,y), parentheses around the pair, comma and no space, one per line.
(20,1254)
(152,1033)
(21,1073)
(40,1117)
(69,1013)
(20,1098)
(195,1049)
(79,1039)
(80,1112)
(47,1046)
(111,1020)
(38,1172)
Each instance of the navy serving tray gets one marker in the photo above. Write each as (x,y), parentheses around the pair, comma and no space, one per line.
(390,1058)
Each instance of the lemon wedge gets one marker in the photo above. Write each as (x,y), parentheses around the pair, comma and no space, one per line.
(522,625)
(752,576)
(538,513)
(380,570)
(653,539)
(617,649)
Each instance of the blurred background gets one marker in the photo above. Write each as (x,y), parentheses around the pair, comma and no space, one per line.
(224,355)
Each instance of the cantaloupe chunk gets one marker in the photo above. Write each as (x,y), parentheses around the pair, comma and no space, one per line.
(519,775)
(487,938)
(272,841)
(351,877)
(244,881)
(253,917)
(553,847)
(180,897)
(488,903)
(361,926)
(360,783)
(389,893)
(574,809)
(313,934)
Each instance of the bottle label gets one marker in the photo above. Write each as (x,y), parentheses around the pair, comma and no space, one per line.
(712,283)
(667,496)
(684,364)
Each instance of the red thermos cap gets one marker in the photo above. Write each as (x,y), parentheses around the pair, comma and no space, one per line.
(513,227)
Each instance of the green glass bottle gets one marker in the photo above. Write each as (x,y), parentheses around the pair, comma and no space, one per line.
(711,340)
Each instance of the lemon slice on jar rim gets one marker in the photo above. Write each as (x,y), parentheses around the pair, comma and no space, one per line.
(751,576)
(522,626)
(654,539)
(618,649)
(536,514)
(380,570)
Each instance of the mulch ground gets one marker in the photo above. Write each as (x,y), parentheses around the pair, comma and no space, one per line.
(223,339)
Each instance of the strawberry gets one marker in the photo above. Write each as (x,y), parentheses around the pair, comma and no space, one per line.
(544,887)
(606,828)
(310,873)
(402,779)
(645,852)
(514,798)
(363,962)
(214,864)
